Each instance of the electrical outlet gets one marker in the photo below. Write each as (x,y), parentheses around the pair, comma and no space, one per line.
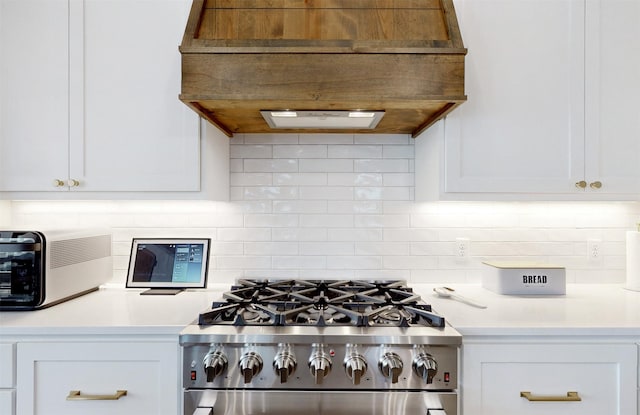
(594,250)
(462,249)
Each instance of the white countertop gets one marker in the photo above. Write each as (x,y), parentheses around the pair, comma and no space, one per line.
(111,311)
(585,310)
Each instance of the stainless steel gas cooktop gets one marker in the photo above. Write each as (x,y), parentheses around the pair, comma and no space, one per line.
(324,337)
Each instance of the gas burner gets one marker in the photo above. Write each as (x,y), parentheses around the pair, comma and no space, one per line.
(321,303)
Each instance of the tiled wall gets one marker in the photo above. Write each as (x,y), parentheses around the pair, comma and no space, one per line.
(341,206)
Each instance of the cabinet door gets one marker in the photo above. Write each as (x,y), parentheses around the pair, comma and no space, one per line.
(49,372)
(135,134)
(613,87)
(34,97)
(604,377)
(522,128)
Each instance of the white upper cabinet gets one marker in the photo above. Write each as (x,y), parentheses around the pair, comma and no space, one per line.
(612,64)
(550,111)
(34,93)
(90,97)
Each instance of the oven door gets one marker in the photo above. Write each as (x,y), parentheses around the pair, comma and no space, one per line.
(21,270)
(282,402)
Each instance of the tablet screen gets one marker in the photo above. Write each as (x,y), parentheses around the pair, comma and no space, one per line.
(168,263)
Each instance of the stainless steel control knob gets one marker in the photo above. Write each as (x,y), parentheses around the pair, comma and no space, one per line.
(284,363)
(319,363)
(215,362)
(250,365)
(391,365)
(355,364)
(425,366)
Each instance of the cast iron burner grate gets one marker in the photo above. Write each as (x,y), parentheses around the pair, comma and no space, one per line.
(321,303)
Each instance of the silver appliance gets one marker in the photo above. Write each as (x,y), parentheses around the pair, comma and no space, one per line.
(278,347)
(39,269)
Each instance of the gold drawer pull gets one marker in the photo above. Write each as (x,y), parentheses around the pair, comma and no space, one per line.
(75,396)
(571,397)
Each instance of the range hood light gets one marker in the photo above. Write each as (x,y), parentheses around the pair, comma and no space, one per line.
(284,114)
(361,114)
(319,119)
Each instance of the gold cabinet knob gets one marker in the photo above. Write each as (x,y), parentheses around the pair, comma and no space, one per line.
(595,185)
(581,184)
(73,183)
(58,183)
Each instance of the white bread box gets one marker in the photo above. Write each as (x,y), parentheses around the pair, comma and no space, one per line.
(524,278)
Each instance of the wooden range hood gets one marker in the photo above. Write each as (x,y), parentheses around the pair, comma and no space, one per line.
(403,57)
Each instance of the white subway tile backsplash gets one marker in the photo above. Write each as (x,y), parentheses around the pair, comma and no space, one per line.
(301,151)
(364,206)
(255,151)
(341,206)
(354,262)
(326,248)
(300,179)
(350,234)
(398,179)
(300,206)
(243,262)
(299,262)
(326,138)
(326,165)
(244,234)
(269,192)
(271,221)
(382,193)
(271,248)
(268,138)
(326,221)
(270,165)
(326,193)
(410,262)
(382,248)
(398,139)
(299,234)
(354,151)
(250,179)
(398,152)
(354,179)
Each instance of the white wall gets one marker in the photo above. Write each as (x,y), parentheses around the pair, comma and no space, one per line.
(341,206)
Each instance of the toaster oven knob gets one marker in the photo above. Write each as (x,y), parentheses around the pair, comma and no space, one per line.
(215,362)
(425,366)
(250,365)
(390,365)
(355,365)
(284,363)
(319,364)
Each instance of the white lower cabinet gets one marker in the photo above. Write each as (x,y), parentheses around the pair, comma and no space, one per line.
(7,379)
(548,378)
(97,378)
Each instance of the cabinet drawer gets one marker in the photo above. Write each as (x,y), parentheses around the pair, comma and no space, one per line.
(84,378)
(7,363)
(602,376)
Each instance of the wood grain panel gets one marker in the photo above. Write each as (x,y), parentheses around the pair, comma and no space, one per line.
(323,23)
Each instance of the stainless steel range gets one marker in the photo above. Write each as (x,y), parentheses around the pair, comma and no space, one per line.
(320,347)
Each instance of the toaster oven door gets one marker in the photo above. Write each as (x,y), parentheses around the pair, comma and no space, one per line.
(21,270)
